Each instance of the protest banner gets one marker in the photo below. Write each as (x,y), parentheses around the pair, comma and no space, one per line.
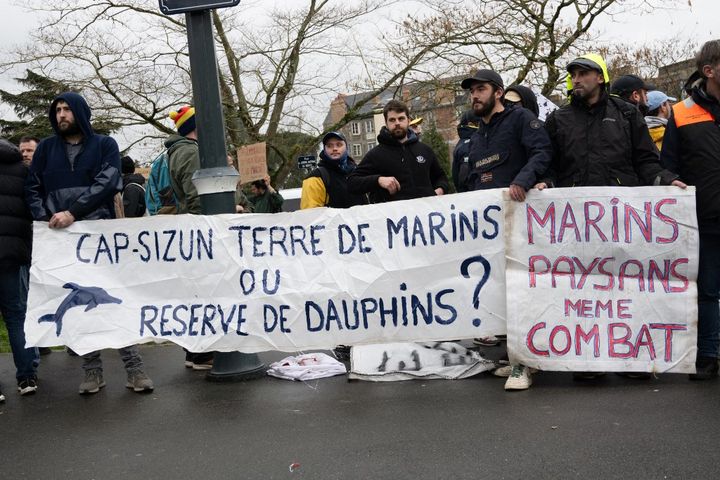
(603,279)
(422,270)
(252,162)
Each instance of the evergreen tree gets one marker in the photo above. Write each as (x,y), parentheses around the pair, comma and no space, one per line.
(32,107)
(432,137)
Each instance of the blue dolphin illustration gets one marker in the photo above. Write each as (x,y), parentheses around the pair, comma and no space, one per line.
(90,297)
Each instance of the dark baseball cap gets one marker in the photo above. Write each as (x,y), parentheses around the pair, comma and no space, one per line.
(485,76)
(630,83)
(584,63)
(330,135)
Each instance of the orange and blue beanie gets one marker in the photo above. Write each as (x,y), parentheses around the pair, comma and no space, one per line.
(184,120)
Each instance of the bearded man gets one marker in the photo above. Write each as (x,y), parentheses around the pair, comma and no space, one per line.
(510,149)
(75,175)
(400,167)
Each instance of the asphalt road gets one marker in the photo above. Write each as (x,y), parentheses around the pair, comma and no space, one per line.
(335,429)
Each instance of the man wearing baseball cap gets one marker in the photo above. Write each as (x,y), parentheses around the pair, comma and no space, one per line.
(633,89)
(659,110)
(510,149)
(600,140)
(326,185)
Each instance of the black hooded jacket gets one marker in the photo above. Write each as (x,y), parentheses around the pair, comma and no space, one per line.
(412,163)
(133,195)
(527,98)
(15,220)
(86,187)
(606,144)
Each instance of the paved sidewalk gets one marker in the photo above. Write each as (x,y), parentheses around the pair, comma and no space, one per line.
(335,429)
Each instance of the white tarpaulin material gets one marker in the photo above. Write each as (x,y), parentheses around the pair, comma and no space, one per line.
(391,362)
(420,270)
(603,279)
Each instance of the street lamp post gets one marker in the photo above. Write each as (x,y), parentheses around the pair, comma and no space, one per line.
(215,181)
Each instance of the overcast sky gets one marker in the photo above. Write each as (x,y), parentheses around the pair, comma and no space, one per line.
(697,21)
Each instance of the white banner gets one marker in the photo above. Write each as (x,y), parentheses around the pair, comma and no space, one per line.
(421,270)
(603,279)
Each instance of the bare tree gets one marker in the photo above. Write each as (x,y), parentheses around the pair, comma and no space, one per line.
(279,68)
(529,39)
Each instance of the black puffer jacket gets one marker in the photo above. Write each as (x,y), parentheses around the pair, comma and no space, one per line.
(607,144)
(15,220)
(87,187)
(412,163)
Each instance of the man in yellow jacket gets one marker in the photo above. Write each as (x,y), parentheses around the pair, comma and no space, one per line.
(659,110)
(326,185)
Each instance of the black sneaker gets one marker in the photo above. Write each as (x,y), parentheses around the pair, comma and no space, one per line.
(706,368)
(27,386)
(2,397)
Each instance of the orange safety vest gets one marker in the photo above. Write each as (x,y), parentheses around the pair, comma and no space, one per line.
(688,112)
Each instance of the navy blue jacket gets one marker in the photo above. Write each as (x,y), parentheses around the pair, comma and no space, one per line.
(513,148)
(461,157)
(86,187)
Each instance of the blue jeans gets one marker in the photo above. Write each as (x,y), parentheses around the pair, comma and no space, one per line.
(708,285)
(13,305)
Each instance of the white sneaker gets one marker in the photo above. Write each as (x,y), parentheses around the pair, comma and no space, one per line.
(503,371)
(519,378)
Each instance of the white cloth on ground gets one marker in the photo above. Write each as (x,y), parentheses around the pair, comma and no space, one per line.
(308,366)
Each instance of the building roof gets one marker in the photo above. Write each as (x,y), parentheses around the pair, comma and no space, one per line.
(415,94)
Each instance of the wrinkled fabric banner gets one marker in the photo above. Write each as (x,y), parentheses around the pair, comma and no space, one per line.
(422,270)
(603,279)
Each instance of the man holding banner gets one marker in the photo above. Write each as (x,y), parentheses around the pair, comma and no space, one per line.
(75,175)
(510,149)
(600,140)
(400,167)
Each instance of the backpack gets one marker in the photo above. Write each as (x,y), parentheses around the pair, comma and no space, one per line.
(133,200)
(159,192)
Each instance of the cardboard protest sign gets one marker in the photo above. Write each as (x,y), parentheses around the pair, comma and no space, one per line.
(252,162)
(603,279)
(423,270)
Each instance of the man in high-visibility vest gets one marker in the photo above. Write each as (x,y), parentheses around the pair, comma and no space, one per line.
(692,149)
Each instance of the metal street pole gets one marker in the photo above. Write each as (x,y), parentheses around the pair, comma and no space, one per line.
(215,181)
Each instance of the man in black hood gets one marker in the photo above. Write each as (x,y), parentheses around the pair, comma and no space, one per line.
(74,176)
(400,167)
(523,96)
